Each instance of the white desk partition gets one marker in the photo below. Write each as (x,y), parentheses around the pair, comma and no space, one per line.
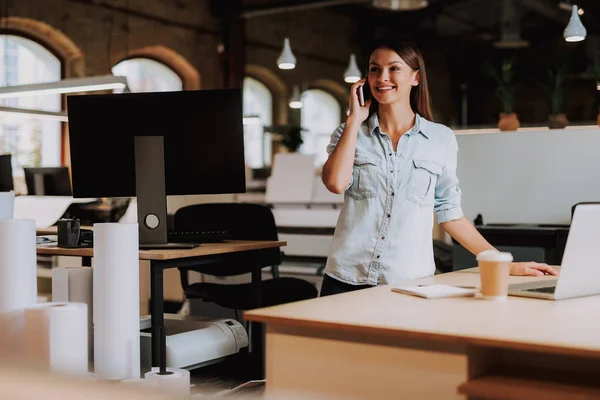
(297,217)
(528,176)
(322,195)
(45,210)
(291,179)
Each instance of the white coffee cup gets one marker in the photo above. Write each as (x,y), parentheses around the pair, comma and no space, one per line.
(494,270)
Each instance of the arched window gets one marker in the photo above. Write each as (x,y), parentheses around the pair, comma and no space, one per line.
(31,141)
(258,113)
(320,115)
(146,75)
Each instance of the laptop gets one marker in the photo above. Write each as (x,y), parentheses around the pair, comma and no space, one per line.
(580,266)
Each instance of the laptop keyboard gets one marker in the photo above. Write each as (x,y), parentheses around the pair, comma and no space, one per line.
(547,289)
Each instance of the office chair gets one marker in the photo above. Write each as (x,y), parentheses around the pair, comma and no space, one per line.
(242,221)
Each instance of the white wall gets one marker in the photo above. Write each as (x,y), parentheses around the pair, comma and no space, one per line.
(528,176)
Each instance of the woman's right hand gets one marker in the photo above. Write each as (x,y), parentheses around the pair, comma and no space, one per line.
(358,112)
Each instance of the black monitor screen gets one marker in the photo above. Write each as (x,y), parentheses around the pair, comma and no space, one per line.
(6,174)
(203,141)
(48,181)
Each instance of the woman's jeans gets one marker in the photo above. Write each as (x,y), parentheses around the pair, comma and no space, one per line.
(333,286)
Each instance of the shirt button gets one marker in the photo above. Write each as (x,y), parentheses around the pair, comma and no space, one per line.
(390,154)
(389,215)
(393,194)
(392,171)
(383,238)
(378,256)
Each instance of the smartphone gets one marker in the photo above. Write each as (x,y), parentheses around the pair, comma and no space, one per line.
(363,94)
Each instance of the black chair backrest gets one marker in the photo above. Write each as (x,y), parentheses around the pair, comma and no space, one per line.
(242,221)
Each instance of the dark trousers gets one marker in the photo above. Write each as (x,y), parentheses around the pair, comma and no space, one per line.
(333,286)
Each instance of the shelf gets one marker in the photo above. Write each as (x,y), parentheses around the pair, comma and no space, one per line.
(510,386)
(44,272)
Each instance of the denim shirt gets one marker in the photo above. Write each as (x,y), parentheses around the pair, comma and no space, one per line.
(384,231)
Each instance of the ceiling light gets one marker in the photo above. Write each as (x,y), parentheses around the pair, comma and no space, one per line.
(400,5)
(511,27)
(564,5)
(575,31)
(296,100)
(286,59)
(74,85)
(37,114)
(352,73)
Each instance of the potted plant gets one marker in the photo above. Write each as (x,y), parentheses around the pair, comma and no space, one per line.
(554,88)
(505,90)
(288,135)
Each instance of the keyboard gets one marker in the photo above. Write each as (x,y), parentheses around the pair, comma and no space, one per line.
(546,289)
(201,236)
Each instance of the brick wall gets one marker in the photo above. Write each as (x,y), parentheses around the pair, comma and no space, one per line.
(321,40)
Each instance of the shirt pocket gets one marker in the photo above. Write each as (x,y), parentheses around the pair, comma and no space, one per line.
(422,180)
(364,178)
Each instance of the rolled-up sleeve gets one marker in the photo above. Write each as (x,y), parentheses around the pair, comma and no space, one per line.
(335,138)
(333,141)
(447,205)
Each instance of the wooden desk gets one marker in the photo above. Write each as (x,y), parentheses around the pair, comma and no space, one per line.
(252,253)
(378,344)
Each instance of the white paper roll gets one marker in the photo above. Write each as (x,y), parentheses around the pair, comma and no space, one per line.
(74,284)
(176,380)
(56,337)
(7,205)
(18,280)
(116,301)
(12,343)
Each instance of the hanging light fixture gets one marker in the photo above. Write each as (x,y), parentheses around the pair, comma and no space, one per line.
(352,73)
(286,59)
(296,100)
(575,31)
(567,6)
(74,85)
(400,5)
(37,114)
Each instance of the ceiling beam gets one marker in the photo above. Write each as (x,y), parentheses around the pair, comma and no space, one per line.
(288,6)
(550,12)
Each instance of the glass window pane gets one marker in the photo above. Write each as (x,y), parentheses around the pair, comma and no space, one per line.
(320,115)
(258,112)
(31,141)
(146,75)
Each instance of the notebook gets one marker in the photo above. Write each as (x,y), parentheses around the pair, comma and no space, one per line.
(436,291)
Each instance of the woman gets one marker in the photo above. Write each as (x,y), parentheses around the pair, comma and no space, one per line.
(397,168)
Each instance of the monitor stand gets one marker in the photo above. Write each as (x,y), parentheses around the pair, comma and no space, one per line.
(152,195)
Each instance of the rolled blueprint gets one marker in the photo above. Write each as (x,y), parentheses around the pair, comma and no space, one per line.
(116,301)
(7,205)
(56,337)
(176,381)
(18,280)
(74,284)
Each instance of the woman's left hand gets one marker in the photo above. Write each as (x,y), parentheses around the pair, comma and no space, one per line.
(531,269)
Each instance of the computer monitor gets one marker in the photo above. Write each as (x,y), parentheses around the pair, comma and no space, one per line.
(48,181)
(150,145)
(6,173)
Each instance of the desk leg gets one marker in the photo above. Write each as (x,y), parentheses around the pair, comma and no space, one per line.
(256,328)
(157,317)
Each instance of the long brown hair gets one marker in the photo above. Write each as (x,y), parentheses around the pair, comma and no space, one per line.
(420,100)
